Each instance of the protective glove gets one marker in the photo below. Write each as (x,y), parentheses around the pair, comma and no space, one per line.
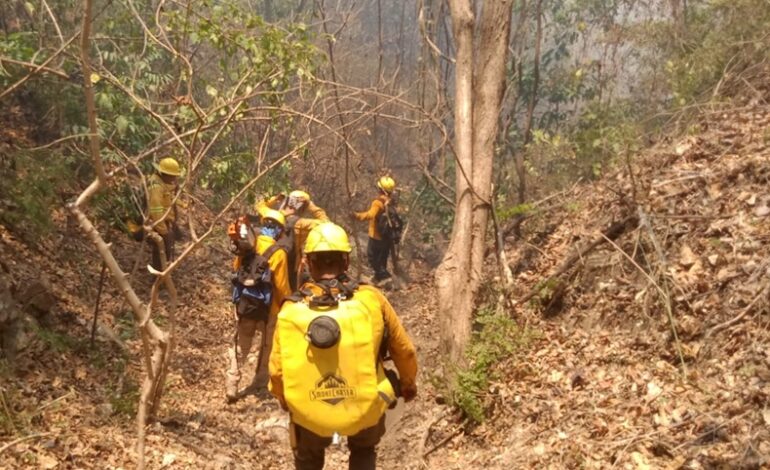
(408,392)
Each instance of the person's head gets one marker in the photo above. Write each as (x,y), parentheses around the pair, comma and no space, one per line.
(272,224)
(298,200)
(386,184)
(168,169)
(328,251)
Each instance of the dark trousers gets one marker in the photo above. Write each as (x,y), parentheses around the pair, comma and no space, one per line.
(310,448)
(377,251)
(168,246)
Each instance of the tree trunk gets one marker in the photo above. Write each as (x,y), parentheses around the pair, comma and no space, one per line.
(521,170)
(478,91)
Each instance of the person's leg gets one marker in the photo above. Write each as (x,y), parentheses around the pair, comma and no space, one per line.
(155,254)
(384,253)
(371,255)
(267,330)
(244,335)
(363,447)
(168,244)
(380,260)
(309,448)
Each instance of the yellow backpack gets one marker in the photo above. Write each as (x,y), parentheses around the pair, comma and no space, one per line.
(340,387)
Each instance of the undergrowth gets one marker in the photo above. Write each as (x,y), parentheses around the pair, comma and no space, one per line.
(496,338)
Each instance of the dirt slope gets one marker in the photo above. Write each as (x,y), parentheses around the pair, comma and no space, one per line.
(609,385)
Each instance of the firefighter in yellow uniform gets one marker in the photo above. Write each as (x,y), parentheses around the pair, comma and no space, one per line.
(378,248)
(161,191)
(301,216)
(326,366)
(253,317)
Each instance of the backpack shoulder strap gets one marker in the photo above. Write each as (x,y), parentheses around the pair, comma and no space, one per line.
(271,250)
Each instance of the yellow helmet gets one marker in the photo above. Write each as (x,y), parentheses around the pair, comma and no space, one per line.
(387,184)
(168,166)
(327,237)
(300,195)
(272,214)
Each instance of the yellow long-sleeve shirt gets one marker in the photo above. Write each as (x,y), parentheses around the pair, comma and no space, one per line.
(310,211)
(378,205)
(279,265)
(160,197)
(305,220)
(400,346)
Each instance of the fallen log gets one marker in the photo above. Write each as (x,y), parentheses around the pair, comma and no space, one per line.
(613,232)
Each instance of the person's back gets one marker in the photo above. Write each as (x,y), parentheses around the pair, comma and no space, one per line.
(250,315)
(326,364)
(301,216)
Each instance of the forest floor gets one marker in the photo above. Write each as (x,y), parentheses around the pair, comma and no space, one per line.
(652,351)
(67,404)
(607,383)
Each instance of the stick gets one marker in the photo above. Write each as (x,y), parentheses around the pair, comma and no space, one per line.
(739,317)
(613,232)
(645,223)
(98,299)
(505,270)
(22,439)
(443,442)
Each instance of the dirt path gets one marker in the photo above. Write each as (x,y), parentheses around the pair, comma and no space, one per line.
(201,430)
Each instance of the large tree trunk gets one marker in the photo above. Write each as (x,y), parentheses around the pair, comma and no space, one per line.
(478,91)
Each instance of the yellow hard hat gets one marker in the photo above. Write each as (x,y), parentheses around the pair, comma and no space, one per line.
(301,195)
(386,183)
(168,166)
(272,214)
(327,237)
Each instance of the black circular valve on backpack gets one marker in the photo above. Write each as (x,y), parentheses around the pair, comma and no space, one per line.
(323,332)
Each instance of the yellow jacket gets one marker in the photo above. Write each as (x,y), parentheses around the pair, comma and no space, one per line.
(310,216)
(310,211)
(279,265)
(378,205)
(160,197)
(400,346)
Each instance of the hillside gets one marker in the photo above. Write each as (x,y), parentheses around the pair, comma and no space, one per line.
(607,383)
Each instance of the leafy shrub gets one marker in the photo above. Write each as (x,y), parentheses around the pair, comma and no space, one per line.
(496,338)
(31,185)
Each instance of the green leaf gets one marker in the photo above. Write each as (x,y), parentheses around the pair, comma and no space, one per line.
(121,124)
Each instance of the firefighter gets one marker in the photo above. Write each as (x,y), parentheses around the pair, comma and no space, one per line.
(261,284)
(301,216)
(326,366)
(379,246)
(161,191)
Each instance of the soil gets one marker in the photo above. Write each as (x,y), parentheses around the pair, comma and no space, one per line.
(648,352)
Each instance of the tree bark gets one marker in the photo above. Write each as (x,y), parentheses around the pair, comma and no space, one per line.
(479,89)
(521,170)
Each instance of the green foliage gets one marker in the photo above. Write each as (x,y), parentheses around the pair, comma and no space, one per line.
(57,341)
(31,184)
(496,338)
(604,133)
(722,39)
(226,175)
(508,213)
(123,396)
